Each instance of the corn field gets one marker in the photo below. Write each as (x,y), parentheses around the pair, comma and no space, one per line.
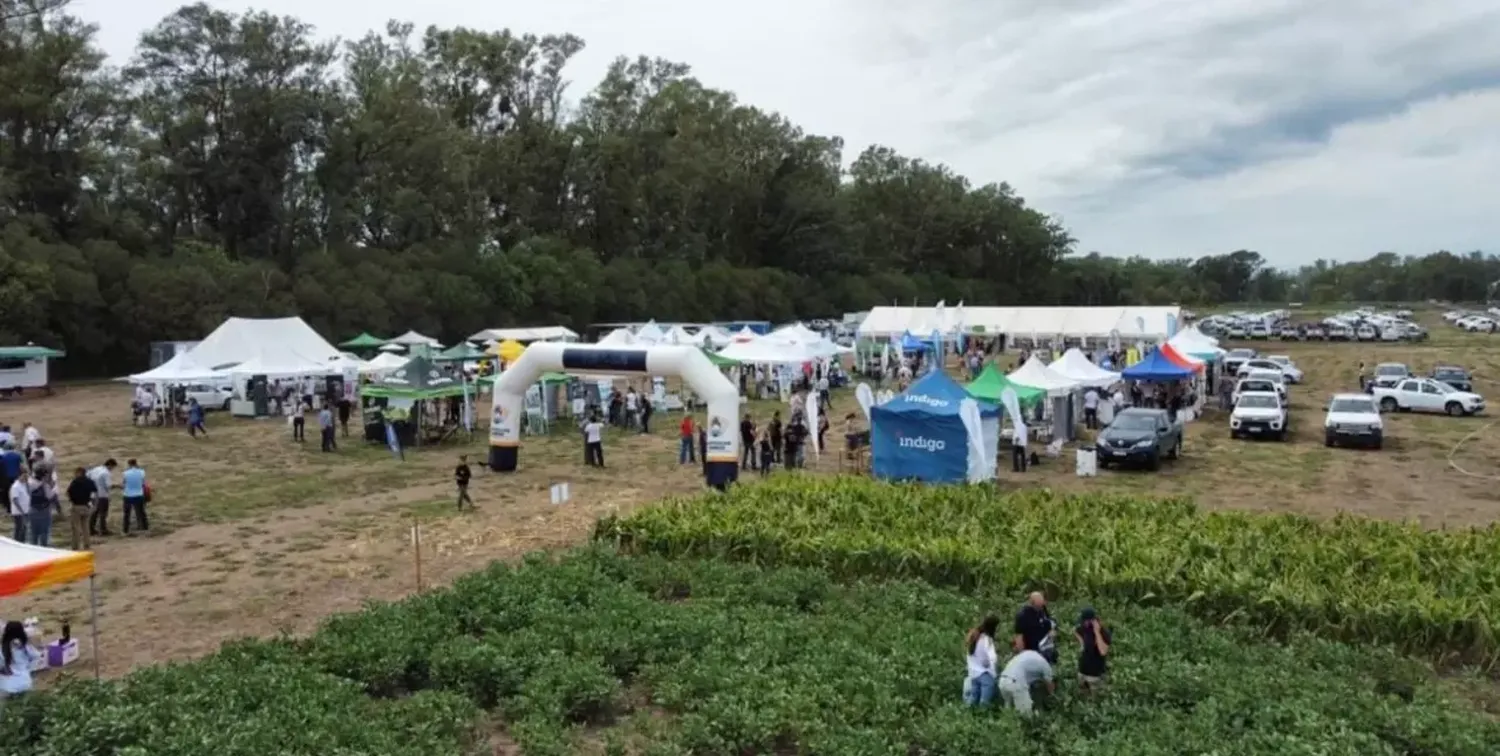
(1432,593)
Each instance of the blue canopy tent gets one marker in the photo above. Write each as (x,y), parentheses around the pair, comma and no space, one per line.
(910,343)
(920,434)
(1157,368)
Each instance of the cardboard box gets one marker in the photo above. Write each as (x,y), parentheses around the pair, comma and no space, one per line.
(61,654)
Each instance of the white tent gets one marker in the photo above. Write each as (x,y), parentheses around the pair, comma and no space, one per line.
(1075,365)
(524,335)
(1070,322)
(412,338)
(679,335)
(180,369)
(241,339)
(618,337)
(383,362)
(768,351)
(712,337)
(392,348)
(283,364)
(797,332)
(744,335)
(1036,374)
(650,334)
(1193,341)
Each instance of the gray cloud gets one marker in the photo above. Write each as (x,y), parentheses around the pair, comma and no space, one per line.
(1160,127)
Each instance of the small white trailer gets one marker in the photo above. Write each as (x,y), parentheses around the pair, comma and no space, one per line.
(24,368)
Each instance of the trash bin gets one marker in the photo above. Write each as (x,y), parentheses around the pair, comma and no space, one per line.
(1087,462)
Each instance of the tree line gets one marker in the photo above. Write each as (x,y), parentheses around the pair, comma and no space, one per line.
(239,164)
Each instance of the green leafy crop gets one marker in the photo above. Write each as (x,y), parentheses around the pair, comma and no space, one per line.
(1432,593)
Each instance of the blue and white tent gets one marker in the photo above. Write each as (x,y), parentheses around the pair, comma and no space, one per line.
(934,432)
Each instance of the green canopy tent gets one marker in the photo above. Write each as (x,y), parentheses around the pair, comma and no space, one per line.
(991,383)
(460,352)
(417,381)
(364,341)
(718,361)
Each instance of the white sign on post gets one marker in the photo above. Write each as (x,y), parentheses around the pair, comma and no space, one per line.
(560,493)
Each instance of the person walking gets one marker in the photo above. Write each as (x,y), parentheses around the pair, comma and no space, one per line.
(133,491)
(1018,458)
(326,431)
(979,685)
(461,476)
(12,464)
(685,451)
(81,492)
(593,442)
(20,507)
(99,517)
(299,423)
(747,443)
(1021,672)
(195,419)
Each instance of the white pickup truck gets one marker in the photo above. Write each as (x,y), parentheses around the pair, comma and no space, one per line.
(1426,395)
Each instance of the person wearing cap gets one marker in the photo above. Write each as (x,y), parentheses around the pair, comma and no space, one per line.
(1095,639)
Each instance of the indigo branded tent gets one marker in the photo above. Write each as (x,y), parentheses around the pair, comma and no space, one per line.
(1157,368)
(934,432)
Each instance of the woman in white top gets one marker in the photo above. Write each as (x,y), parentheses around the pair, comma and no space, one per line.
(16,658)
(979,685)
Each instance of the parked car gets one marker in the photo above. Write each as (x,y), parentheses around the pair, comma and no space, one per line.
(1273,375)
(1259,414)
(1288,368)
(1260,331)
(1427,395)
(1284,366)
(1252,385)
(1456,377)
(1340,333)
(1353,420)
(1366,332)
(1392,332)
(1314,332)
(1289,333)
(210,397)
(1236,357)
(1390,373)
(1139,436)
(1238,331)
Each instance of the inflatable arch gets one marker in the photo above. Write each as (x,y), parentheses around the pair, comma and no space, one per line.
(685,362)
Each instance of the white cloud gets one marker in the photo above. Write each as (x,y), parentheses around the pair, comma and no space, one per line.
(1158,127)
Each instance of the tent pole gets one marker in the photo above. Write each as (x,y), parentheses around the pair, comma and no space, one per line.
(94,621)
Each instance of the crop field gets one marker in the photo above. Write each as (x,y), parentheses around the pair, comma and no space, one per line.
(607,654)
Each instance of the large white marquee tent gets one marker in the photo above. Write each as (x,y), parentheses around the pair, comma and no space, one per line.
(1069,322)
(252,346)
(525,335)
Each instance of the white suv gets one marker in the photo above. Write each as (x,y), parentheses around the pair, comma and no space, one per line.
(1353,420)
(1259,414)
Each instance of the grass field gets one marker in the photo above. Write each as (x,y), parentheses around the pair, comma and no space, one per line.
(256,535)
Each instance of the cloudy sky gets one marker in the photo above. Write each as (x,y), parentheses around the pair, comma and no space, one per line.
(1164,128)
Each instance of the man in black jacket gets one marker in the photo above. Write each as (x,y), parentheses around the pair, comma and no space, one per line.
(81,492)
(1035,630)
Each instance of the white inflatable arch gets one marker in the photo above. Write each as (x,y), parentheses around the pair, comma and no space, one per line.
(685,362)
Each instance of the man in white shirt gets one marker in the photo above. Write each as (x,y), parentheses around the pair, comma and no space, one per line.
(632,408)
(1021,672)
(593,442)
(20,506)
(1018,457)
(99,518)
(29,436)
(1091,408)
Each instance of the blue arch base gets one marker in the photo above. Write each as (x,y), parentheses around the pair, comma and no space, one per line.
(504,458)
(720,474)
